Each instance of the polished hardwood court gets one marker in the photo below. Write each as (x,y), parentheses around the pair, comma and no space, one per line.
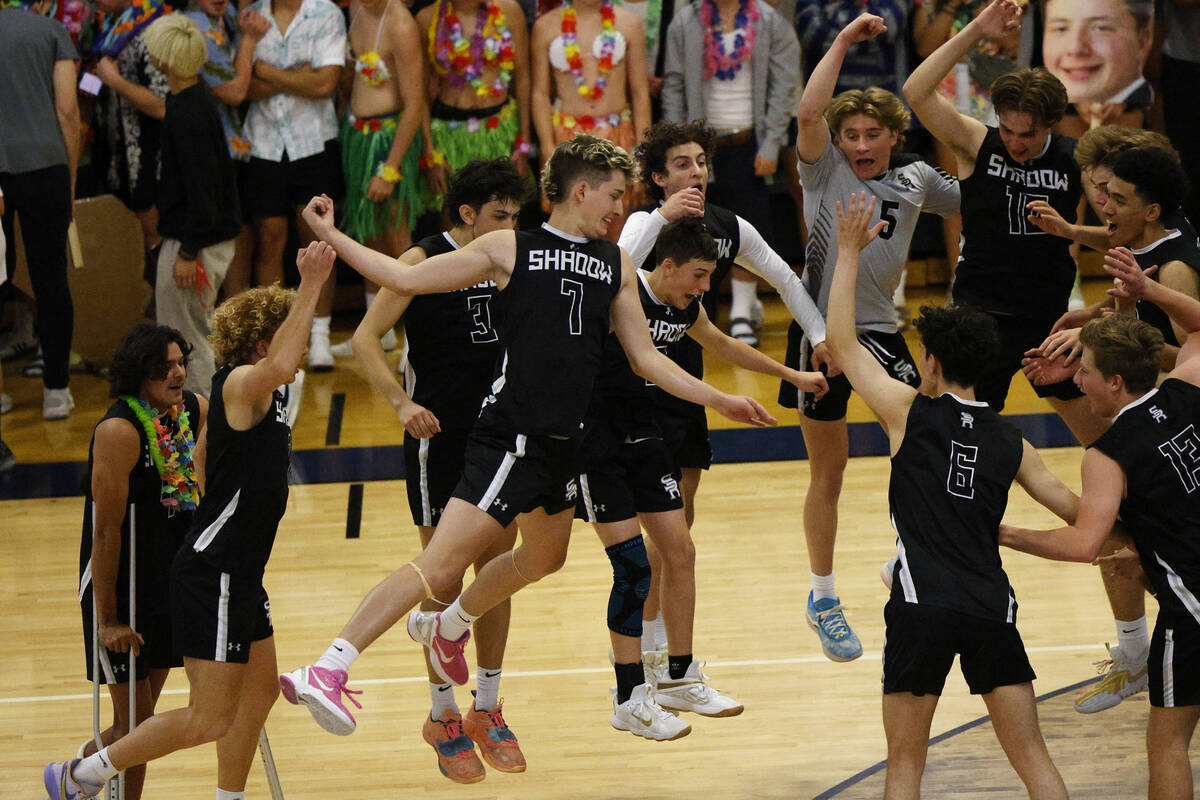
(811,727)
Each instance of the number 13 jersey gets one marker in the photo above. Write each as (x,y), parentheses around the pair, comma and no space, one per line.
(949,488)
(555,314)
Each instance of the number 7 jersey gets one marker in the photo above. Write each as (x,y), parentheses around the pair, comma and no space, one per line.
(555,315)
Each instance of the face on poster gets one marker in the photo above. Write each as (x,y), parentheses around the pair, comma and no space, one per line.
(1097,48)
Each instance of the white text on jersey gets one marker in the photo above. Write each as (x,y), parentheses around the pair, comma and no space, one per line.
(570,261)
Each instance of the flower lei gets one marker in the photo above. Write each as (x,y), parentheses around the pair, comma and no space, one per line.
(172,454)
(372,68)
(608,39)
(118,29)
(461,61)
(716,60)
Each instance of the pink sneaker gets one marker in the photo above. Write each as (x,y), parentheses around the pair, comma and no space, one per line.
(321,691)
(447,657)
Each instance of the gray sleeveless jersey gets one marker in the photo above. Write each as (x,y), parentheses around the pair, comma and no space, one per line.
(909,187)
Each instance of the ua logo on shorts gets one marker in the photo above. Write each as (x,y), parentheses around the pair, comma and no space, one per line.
(671,485)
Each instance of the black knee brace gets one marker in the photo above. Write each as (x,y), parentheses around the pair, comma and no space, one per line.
(631,585)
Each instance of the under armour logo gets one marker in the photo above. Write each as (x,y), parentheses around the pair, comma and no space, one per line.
(119,668)
(572,489)
(235,647)
(1158,414)
(600,507)
(968,421)
(672,487)
(906,372)
(500,504)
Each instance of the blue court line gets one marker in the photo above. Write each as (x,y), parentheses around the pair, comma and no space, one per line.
(386,462)
(859,777)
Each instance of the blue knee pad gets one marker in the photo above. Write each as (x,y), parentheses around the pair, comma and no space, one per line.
(631,586)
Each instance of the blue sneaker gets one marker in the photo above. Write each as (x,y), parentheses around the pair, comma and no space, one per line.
(837,640)
(60,785)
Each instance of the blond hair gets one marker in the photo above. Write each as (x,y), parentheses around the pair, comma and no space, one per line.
(176,43)
(1100,147)
(246,319)
(874,102)
(584,158)
(1125,346)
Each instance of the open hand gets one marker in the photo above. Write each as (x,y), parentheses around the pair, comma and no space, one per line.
(852,222)
(1129,279)
(1046,217)
(1000,18)
(745,409)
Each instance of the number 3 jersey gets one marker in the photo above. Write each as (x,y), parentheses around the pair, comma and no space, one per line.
(949,488)
(554,317)
(1155,441)
(453,346)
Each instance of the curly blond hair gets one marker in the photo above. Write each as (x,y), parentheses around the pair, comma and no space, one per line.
(584,158)
(874,102)
(246,319)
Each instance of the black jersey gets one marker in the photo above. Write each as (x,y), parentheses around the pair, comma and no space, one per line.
(1008,264)
(1175,246)
(1155,442)
(246,486)
(159,530)
(949,487)
(453,346)
(621,396)
(554,317)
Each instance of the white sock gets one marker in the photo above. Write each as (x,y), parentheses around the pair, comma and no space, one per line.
(487,688)
(95,770)
(898,300)
(660,632)
(647,635)
(320,327)
(822,586)
(1133,638)
(369,297)
(224,795)
(744,294)
(340,655)
(441,696)
(455,622)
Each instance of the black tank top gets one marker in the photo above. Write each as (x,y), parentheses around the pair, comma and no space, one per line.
(1175,247)
(1008,265)
(948,491)
(246,487)
(1155,442)
(453,346)
(160,531)
(554,317)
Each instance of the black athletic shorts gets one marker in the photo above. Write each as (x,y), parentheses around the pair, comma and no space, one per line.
(510,474)
(625,475)
(921,642)
(216,615)
(889,349)
(686,437)
(278,188)
(156,651)
(1017,335)
(1174,654)
(433,468)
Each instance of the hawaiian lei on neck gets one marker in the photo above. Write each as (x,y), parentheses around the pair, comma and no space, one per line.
(608,39)
(716,61)
(461,61)
(117,30)
(172,453)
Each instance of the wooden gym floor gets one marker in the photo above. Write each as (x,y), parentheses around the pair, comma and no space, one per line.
(811,727)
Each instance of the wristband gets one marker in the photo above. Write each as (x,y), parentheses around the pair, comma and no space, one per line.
(433,158)
(388,173)
(522,146)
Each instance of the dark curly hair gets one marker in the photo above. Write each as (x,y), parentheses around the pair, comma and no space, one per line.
(479,182)
(962,339)
(686,239)
(1156,176)
(142,356)
(661,137)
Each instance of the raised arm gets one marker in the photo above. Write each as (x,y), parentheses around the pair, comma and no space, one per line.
(758,257)
(1103,488)
(253,27)
(810,113)
(488,258)
(888,398)
(960,133)
(1045,487)
(740,354)
(629,323)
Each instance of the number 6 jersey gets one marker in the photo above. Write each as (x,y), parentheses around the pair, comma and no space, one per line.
(948,491)
(555,314)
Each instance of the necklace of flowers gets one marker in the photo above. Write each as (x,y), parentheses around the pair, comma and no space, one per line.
(462,61)
(171,452)
(118,29)
(716,61)
(608,44)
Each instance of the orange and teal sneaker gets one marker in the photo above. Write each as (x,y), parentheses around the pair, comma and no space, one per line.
(455,752)
(496,742)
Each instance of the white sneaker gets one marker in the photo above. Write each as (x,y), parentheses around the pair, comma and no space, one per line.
(1122,678)
(654,666)
(295,396)
(6,403)
(692,693)
(320,354)
(343,349)
(57,403)
(389,340)
(756,314)
(641,716)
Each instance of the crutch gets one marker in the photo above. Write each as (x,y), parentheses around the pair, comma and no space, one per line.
(115,789)
(264,749)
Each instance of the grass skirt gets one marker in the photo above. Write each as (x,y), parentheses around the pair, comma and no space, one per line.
(462,141)
(366,142)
